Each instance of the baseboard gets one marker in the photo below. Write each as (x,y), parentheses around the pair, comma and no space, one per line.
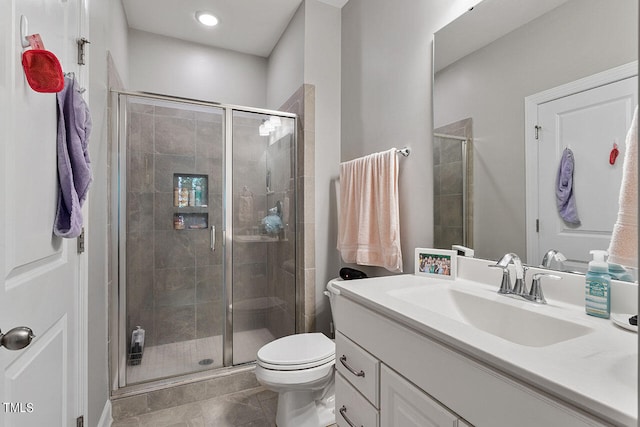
(105,419)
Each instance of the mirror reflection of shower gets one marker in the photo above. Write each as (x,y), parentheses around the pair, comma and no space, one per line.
(207,246)
(453,185)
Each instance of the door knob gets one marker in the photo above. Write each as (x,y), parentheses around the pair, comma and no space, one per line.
(17,338)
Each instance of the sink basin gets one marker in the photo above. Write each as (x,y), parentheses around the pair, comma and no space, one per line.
(491,315)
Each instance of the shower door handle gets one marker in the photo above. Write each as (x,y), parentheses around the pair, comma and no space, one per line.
(213,238)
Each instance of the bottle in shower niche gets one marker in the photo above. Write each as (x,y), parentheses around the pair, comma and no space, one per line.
(178,222)
(192,195)
(176,191)
(198,195)
(181,193)
(200,185)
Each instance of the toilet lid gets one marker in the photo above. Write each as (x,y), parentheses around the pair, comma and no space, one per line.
(300,350)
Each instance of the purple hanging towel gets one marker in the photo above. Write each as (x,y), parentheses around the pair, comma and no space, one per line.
(565,196)
(74,170)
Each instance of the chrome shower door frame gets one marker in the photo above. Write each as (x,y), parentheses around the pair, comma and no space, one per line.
(118,350)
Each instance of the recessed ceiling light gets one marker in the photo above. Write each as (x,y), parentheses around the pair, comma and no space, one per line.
(206,18)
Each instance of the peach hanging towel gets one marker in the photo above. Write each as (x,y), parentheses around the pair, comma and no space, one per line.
(623,248)
(369,220)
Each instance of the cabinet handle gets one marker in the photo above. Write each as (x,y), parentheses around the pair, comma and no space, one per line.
(343,360)
(343,412)
(213,238)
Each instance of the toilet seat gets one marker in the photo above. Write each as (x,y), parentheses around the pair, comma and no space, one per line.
(296,352)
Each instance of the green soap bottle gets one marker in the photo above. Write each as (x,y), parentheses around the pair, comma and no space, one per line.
(598,286)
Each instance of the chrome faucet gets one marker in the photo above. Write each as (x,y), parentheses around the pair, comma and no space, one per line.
(550,256)
(520,287)
(503,263)
(536,294)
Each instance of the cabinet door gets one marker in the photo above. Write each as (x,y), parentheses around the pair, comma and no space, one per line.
(403,404)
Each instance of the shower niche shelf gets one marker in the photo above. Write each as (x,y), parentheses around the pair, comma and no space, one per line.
(190,201)
(190,190)
(190,220)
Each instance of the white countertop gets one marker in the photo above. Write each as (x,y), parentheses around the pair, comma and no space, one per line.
(597,372)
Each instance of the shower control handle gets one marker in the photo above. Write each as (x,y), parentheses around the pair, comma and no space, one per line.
(213,238)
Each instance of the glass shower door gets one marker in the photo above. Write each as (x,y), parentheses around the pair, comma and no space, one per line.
(173,211)
(263,224)
(452,173)
(206,223)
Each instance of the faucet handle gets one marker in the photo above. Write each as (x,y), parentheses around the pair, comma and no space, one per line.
(505,285)
(535,294)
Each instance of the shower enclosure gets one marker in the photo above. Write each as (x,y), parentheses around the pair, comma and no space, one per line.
(207,239)
(453,183)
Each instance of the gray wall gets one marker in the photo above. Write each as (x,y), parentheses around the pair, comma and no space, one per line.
(173,67)
(580,38)
(322,69)
(386,99)
(285,69)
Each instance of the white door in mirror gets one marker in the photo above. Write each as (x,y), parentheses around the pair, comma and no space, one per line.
(589,123)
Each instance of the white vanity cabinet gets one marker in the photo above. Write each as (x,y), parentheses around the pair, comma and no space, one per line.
(370,394)
(413,379)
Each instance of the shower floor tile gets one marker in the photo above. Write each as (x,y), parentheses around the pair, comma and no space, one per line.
(168,360)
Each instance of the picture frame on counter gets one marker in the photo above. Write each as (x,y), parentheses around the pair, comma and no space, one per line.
(436,263)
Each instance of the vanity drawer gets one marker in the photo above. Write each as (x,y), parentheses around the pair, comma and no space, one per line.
(359,368)
(351,408)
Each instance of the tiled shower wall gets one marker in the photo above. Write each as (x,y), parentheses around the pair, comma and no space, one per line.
(302,103)
(260,287)
(281,255)
(175,291)
(174,280)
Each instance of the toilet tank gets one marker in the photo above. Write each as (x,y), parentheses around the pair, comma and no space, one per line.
(332,292)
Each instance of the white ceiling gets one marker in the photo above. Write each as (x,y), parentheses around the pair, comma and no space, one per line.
(248,26)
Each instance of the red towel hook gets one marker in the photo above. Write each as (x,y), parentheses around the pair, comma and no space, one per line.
(614,154)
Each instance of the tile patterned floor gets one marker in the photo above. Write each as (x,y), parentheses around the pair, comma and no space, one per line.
(249,408)
(255,407)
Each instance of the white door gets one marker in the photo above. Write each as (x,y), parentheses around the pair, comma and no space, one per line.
(589,123)
(39,385)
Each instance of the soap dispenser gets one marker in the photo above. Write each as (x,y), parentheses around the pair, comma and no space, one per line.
(598,286)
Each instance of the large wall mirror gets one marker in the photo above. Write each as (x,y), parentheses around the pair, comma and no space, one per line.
(486,63)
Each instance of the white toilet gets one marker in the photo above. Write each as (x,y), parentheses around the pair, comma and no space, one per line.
(300,368)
